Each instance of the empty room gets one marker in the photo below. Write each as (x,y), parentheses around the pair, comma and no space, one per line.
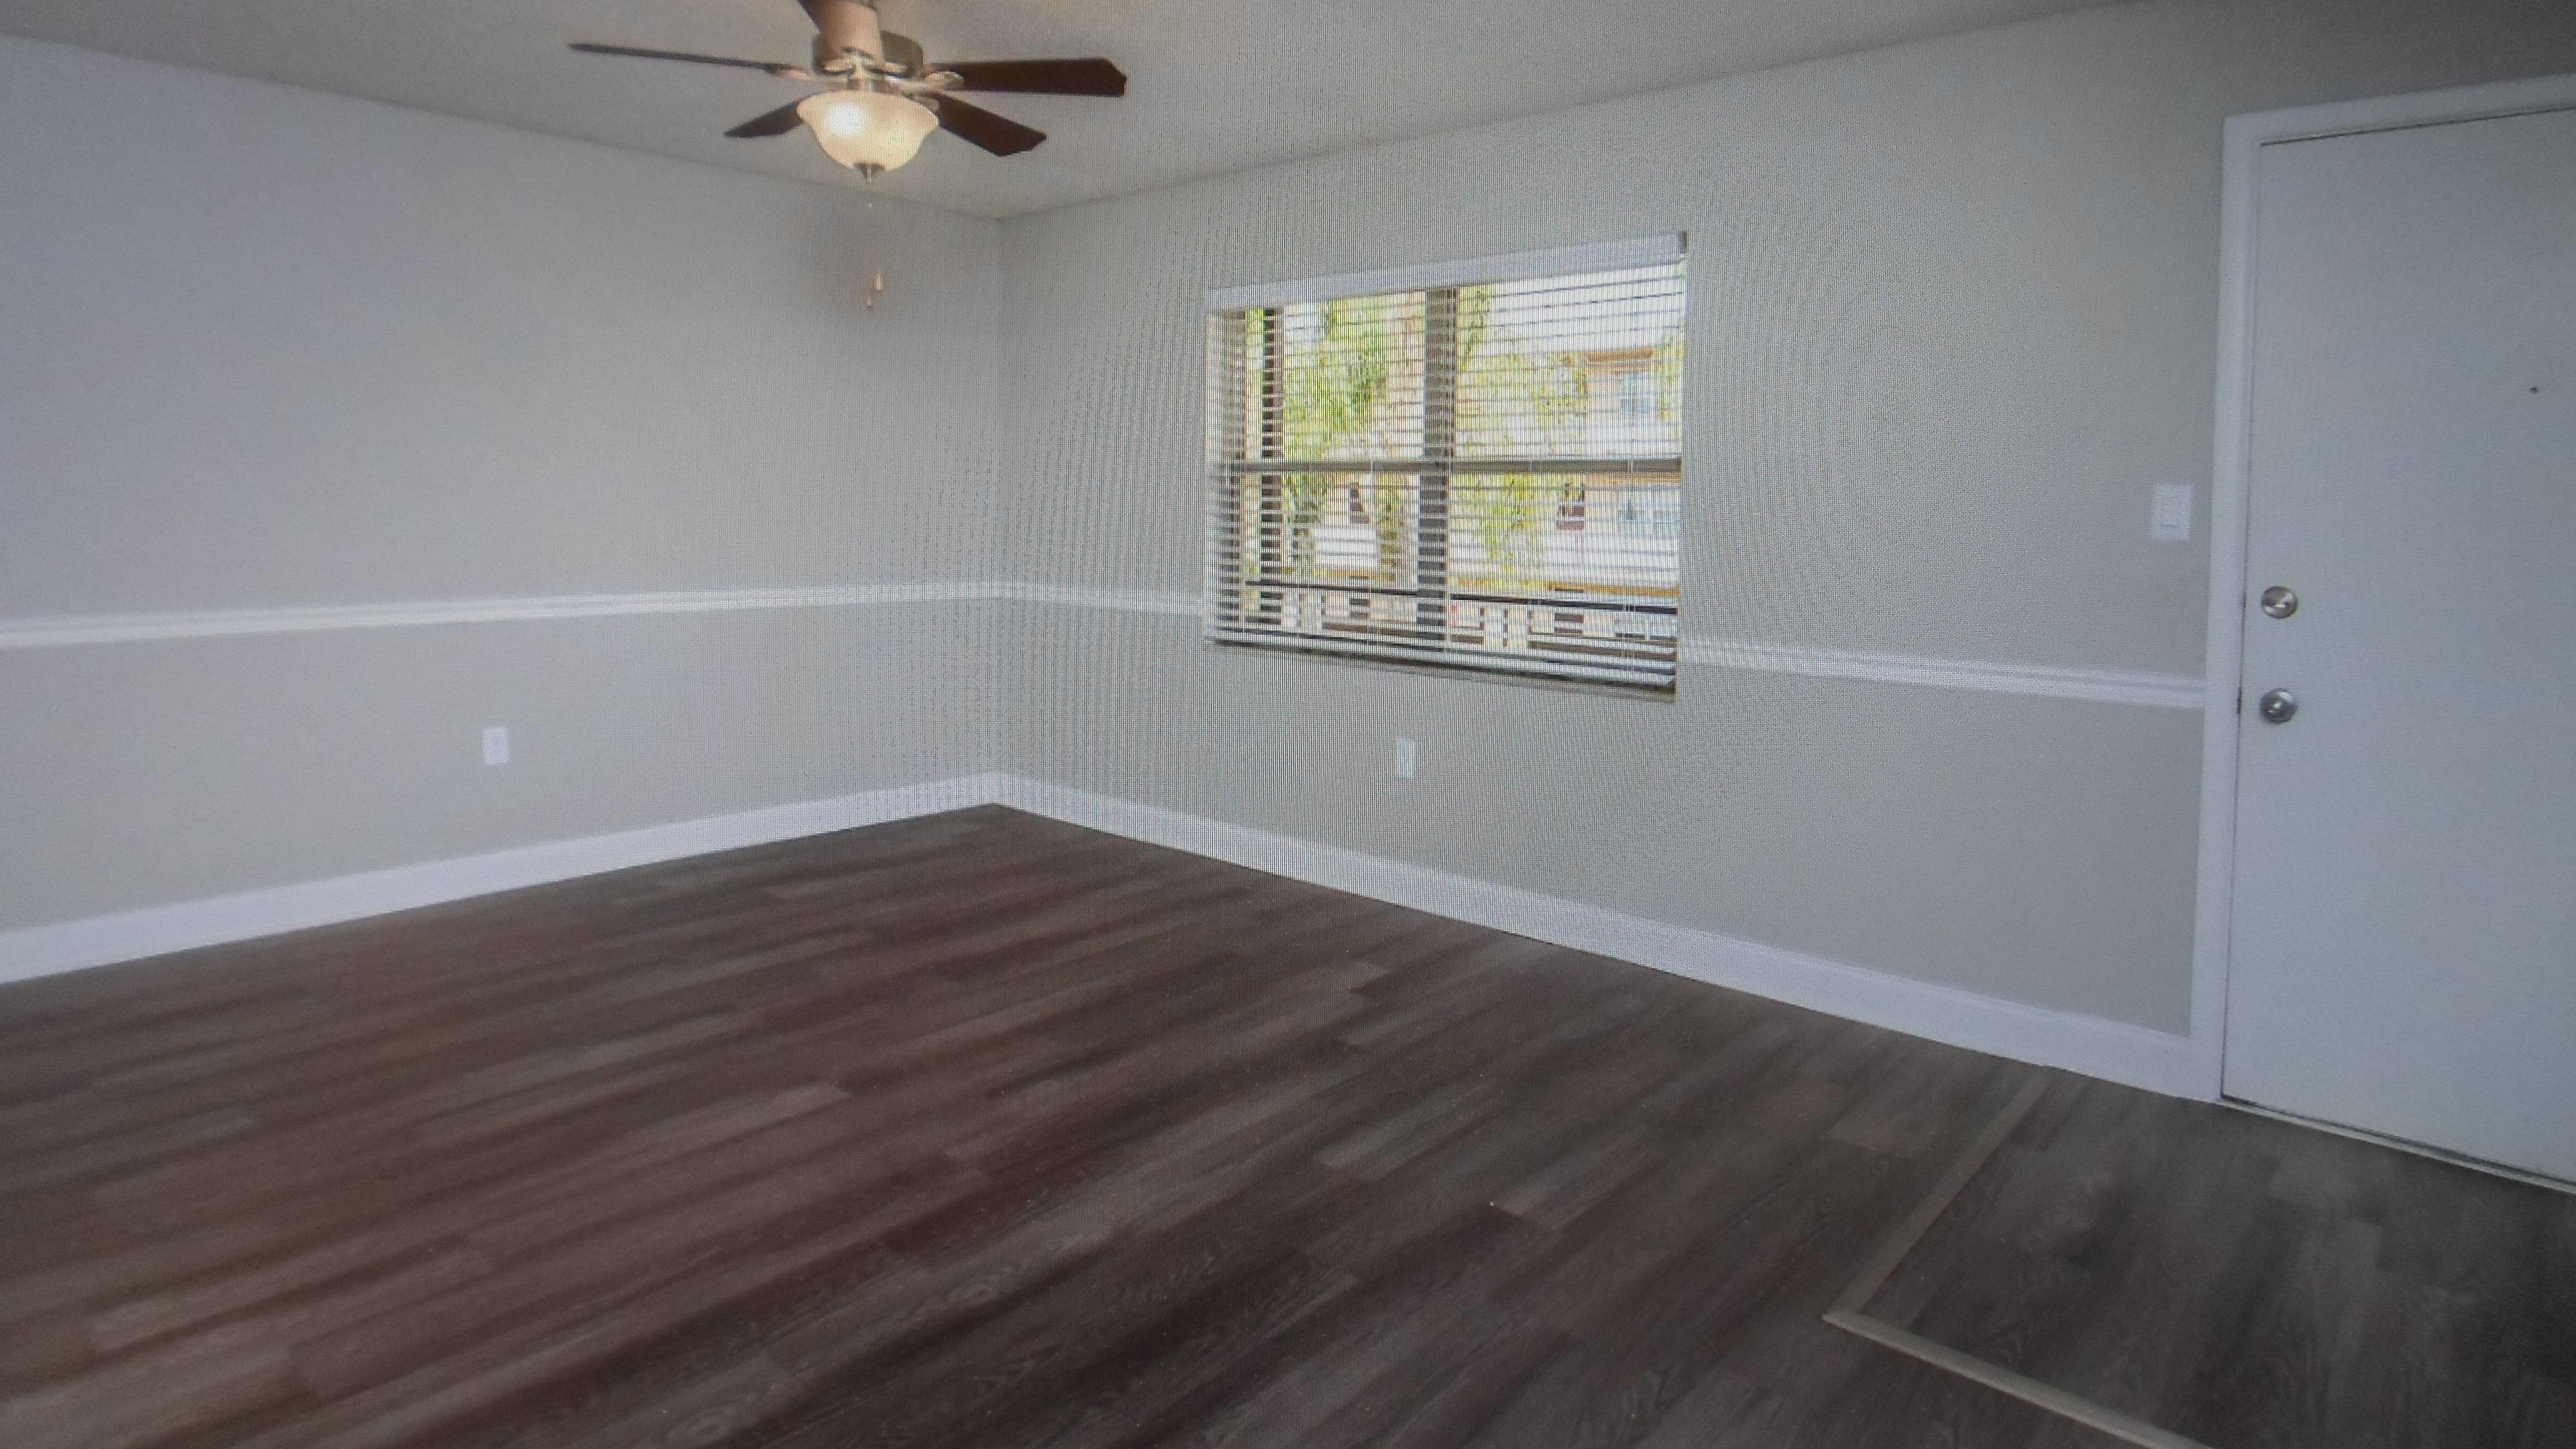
(1463,724)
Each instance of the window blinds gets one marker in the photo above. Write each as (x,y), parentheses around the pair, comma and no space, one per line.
(1476,474)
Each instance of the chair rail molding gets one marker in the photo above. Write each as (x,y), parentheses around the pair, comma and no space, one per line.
(2100,686)
(60,631)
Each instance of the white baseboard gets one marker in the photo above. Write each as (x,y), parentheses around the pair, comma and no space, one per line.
(129,935)
(2115,1051)
(2134,1056)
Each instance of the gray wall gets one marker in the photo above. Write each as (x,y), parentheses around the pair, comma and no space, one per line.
(264,347)
(1953,312)
(1952,315)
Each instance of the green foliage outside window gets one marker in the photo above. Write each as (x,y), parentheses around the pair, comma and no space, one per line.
(1350,385)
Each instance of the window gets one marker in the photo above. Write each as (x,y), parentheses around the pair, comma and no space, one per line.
(1475,466)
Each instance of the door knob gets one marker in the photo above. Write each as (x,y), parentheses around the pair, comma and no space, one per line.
(2279,706)
(2279,602)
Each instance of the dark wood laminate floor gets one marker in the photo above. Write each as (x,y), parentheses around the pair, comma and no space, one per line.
(2247,1282)
(984,1130)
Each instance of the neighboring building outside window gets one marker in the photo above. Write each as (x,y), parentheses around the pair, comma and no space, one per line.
(1474,466)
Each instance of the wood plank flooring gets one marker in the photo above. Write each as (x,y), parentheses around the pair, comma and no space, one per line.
(985,1130)
(2241,1281)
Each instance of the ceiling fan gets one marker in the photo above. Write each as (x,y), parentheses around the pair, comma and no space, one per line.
(884,98)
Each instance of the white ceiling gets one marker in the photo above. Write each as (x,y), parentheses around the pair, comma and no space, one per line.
(1215,85)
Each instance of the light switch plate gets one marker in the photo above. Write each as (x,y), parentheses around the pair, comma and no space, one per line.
(2169,518)
(1408,757)
(496,744)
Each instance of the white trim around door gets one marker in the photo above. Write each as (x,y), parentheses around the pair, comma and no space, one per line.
(2246,136)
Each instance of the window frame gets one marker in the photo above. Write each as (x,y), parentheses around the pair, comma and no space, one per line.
(1642,661)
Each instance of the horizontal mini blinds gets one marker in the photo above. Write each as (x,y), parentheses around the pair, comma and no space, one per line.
(1482,475)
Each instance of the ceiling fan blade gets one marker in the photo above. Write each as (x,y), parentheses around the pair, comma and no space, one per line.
(997,134)
(1089,76)
(774,68)
(770,123)
(847,25)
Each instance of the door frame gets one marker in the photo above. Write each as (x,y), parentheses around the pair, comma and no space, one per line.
(2246,136)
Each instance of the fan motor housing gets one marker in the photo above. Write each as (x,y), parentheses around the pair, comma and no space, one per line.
(903,53)
(902,56)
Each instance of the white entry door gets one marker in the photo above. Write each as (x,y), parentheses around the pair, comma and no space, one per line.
(2403,955)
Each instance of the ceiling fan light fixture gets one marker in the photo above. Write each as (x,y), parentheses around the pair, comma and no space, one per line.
(867,131)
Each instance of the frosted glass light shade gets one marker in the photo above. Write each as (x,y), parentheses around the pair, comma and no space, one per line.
(868,131)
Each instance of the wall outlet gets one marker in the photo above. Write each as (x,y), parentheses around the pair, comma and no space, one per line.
(1408,758)
(496,744)
(2169,517)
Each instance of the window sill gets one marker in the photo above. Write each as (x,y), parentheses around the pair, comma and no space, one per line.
(1457,673)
